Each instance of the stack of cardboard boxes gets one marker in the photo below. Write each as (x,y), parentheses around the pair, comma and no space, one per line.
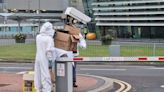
(68,39)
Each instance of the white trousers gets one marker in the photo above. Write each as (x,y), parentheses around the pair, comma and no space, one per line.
(42,78)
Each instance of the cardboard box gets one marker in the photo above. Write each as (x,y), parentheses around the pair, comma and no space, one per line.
(66,41)
(62,41)
(72,30)
(74,41)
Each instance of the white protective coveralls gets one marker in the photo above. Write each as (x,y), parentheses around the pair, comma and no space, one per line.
(45,52)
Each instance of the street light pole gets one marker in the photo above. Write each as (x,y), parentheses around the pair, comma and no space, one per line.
(29,5)
(38,13)
(39,7)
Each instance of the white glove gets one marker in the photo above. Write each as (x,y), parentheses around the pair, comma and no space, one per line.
(82,42)
(49,56)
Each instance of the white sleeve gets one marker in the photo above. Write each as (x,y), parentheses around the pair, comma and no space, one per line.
(60,52)
(50,49)
(82,42)
(49,55)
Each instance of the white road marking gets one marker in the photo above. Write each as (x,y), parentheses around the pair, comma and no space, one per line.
(124,66)
(103,69)
(23,72)
(156,68)
(16,68)
(162,86)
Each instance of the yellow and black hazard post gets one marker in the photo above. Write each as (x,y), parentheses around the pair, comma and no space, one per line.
(28,82)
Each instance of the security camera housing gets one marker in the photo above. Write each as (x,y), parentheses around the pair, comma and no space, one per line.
(71,11)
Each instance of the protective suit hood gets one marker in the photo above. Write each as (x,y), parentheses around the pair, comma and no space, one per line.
(47,29)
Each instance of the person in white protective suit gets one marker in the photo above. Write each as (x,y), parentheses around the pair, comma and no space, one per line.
(45,52)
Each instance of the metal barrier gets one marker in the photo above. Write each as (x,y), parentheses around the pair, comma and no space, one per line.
(108,59)
(63,69)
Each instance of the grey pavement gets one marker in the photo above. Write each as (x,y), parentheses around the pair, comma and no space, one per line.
(86,83)
(142,78)
(10,82)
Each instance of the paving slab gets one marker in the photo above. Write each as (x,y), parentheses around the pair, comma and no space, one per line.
(10,82)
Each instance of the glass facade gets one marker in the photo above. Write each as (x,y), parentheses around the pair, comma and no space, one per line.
(11,30)
(88,10)
(129,18)
(86,7)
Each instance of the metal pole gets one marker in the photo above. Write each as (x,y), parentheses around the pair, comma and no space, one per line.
(38,12)
(19,27)
(154,47)
(114,50)
(64,78)
(39,7)
(29,5)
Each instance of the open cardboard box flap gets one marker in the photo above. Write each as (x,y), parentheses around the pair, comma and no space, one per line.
(75,38)
(72,30)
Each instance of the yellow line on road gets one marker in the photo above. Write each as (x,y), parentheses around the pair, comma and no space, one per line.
(121,84)
(125,87)
(128,86)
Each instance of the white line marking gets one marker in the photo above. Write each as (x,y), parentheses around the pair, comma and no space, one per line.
(155,68)
(16,68)
(123,66)
(162,86)
(23,72)
(103,69)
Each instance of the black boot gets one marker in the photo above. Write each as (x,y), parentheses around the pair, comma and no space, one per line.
(75,85)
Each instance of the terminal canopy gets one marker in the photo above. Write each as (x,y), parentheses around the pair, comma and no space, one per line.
(31,15)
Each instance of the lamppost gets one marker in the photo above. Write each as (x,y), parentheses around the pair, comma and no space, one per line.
(39,7)
(29,2)
(38,12)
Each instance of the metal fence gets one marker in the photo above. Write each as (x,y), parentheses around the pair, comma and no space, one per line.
(142,49)
(9,49)
(10,35)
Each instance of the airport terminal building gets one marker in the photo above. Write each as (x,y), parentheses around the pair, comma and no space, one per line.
(128,18)
(29,13)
